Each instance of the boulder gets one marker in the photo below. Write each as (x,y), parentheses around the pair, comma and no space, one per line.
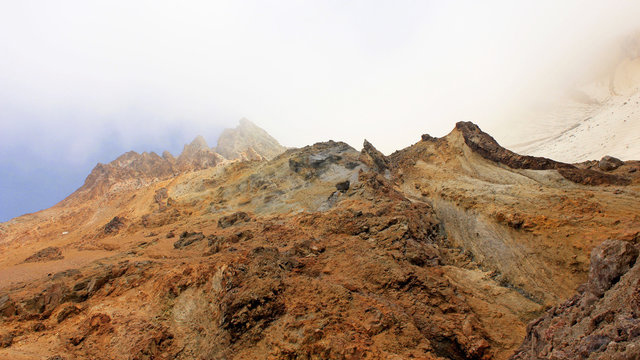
(609,163)
(230,220)
(114,225)
(343,186)
(609,261)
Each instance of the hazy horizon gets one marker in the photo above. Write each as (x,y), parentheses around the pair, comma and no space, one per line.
(82,83)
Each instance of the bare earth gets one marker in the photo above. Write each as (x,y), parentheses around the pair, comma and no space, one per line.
(443,250)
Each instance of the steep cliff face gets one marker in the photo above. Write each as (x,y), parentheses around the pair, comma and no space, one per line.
(602,321)
(443,250)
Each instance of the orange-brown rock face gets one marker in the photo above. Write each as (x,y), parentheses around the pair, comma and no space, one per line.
(443,250)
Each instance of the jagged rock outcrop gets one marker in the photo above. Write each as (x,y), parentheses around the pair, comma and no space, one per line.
(374,158)
(251,155)
(312,162)
(234,143)
(602,321)
(438,251)
(197,156)
(133,170)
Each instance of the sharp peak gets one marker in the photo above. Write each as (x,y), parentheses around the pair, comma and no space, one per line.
(245,122)
(460,125)
(199,142)
(367,144)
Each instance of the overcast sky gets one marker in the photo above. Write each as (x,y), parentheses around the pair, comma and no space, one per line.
(84,81)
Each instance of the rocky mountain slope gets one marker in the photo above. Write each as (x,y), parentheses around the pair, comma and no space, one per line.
(602,320)
(444,250)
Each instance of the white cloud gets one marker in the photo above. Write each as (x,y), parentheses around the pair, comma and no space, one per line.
(72,71)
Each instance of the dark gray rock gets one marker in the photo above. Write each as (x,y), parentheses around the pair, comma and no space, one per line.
(374,158)
(114,225)
(609,163)
(343,186)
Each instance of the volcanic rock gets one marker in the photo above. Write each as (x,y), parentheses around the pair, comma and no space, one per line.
(314,161)
(443,250)
(374,158)
(188,238)
(488,147)
(602,321)
(6,340)
(230,220)
(609,262)
(7,307)
(343,186)
(114,225)
(47,254)
(197,156)
(66,312)
(132,170)
(609,163)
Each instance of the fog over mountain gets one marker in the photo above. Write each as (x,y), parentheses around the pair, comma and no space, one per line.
(82,83)
(434,180)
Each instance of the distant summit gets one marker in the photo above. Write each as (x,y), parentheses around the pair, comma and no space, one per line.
(198,143)
(237,143)
(196,156)
(133,170)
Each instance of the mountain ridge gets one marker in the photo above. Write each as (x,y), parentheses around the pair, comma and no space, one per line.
(446,249)
(141,169)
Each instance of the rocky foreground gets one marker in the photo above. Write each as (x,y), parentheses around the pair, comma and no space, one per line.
(453,248)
